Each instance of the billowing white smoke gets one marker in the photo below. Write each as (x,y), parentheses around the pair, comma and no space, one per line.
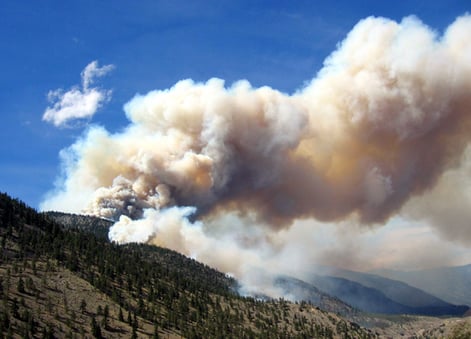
(385,118)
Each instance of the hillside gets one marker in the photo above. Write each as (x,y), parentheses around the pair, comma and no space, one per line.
(60,282)
(86,223)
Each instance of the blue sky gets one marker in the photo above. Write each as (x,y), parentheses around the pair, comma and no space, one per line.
(152,45)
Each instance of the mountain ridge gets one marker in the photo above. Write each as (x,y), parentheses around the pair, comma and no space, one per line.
(87,223)
(451,284)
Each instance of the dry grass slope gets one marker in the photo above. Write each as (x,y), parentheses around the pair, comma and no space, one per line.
(68,283)
(59,283)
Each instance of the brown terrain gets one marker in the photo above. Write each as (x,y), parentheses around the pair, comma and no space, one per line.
(60,282)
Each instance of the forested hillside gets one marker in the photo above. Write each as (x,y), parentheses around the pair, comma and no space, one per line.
(85,223)
(64,282)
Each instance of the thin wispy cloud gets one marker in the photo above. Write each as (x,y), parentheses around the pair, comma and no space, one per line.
(78,102)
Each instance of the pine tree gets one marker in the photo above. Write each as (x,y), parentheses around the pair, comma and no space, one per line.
(21,286)
(120,316)
(96,330)
(134,333)
(156,331)
(83,306)
(106,314)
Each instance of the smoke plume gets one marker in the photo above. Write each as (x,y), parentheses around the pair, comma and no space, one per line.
(220,173)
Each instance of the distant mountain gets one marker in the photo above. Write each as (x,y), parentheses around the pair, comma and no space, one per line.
(297,289)
(375,300)
(395,290)
(452,284)
(364,298)
(396,323)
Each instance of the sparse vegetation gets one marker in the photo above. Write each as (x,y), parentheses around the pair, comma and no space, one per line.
(64,282)
(68,282)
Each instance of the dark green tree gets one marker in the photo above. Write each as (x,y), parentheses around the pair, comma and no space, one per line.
(83,306)
(21,286)
(96,330)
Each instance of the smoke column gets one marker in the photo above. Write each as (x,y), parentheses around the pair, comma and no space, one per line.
(215,171)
